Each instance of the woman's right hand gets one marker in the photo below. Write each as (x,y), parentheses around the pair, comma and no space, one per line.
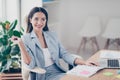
(15,39)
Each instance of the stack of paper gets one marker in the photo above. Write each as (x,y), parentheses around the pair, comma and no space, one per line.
(84,70)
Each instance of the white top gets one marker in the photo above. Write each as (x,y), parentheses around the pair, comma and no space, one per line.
(47,57)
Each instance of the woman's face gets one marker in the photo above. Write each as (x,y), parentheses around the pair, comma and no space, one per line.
(38,21)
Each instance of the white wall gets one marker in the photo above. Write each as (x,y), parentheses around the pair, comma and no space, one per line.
(13,11)
(73,14)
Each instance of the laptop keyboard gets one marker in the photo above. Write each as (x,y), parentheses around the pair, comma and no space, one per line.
(113,63)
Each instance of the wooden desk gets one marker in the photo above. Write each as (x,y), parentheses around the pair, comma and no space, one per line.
(11,76)
(99,75)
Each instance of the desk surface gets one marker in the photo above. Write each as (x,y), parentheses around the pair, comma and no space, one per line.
(99,75)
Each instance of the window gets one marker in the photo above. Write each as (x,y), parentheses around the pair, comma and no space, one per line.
(9,11)
(1,10)
(13,11)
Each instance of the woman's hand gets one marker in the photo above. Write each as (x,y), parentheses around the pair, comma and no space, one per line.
(15,39)
(79,61)
(91,63)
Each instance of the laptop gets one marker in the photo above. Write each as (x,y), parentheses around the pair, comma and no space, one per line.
(109,59)
(109,63)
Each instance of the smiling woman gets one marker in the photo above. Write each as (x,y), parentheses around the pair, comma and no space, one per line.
(25,8)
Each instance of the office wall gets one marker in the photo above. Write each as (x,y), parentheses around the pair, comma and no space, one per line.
(73,14)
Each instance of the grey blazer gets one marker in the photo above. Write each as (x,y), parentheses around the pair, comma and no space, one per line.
(57,51)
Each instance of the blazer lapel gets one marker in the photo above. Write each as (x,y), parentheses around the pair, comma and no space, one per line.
(37,43)
(35,39)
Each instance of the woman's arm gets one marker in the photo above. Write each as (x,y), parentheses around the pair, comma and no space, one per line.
(79,61)
(24,53)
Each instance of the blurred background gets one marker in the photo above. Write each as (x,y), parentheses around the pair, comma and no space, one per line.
(83,26)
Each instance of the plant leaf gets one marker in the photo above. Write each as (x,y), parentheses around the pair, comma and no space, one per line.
(3,41)
(12,26)
(15,50)
(16,33)
(7,50)
(4,62)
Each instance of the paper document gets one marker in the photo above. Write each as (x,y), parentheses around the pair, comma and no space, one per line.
(110,54)
(84,70)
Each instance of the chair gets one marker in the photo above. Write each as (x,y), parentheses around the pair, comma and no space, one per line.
(112,33)
(26,71)
(89,32)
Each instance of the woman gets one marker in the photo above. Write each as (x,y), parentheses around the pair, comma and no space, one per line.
(40,47)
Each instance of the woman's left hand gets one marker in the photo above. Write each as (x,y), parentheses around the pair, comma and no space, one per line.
(91,63)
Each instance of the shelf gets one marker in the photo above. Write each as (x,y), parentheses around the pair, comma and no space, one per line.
(50,2)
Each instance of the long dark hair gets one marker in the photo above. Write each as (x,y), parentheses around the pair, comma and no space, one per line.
(30,15)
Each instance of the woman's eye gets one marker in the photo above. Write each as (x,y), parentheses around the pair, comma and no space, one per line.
(36,19)
(43,19)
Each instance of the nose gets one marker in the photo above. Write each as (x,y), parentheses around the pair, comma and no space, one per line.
(40,22)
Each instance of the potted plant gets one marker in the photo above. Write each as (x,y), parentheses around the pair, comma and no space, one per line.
(9,52)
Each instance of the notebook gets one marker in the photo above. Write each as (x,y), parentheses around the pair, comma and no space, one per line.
(84,70)
(110,59)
